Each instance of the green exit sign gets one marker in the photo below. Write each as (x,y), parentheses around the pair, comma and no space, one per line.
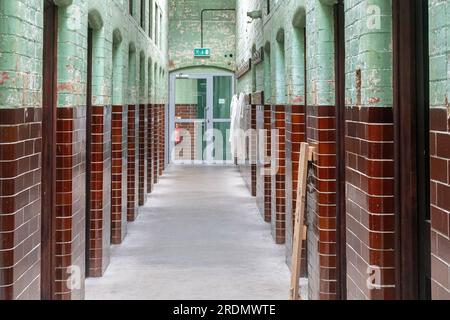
(202,52)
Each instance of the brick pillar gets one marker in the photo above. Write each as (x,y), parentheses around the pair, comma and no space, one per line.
(70,200)
(370,209)
(119,173)
(156,143)
(267,164)
(278,179)
(295,135)
(161,138)
(133,169)
(150,149)
(100,190)
(20,203)
(321,203)
(142,154)
(440,202)
(253,150)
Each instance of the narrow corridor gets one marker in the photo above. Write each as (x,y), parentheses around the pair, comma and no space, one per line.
(199,237)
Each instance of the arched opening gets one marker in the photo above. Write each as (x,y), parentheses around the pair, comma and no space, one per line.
(133,111)
(98,214)
(142,78)
(142,188)
(132,90)
(117,69)
(155,83)
(280,67)
(267,73)
(298,65)
(119,143)
(150,80)
(150,130)
(155,125)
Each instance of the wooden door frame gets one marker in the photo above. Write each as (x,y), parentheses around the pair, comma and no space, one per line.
(48,183)
(409,76)
(341,245)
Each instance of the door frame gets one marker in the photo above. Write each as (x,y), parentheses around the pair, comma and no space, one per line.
(48,159)
(410,94)
(341,246)
(209,77)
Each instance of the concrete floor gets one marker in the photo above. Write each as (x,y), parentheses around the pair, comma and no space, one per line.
(199,237)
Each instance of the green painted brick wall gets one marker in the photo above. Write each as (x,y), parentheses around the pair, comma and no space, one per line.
(283,82)
(20,53)
(367,49)
(368,46)
(185,35)
(439,40)
(21,38)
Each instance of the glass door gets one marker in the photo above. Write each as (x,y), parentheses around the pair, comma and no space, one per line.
(221,118)
(200,119)
(191,114)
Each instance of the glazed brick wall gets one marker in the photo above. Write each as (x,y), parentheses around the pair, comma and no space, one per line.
(119,160)
(70,200)
(440,202)
(189,112)
(150,149)
(133,162)
(100,210)
(370,212)
(162,136)
(186,111)
(156,143)
(278,179)
(263,180)
(253,150)
(20,203)
(321,202)
(295,135)
(143,127)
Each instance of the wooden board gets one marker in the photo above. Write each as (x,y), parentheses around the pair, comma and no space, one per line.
(299,226)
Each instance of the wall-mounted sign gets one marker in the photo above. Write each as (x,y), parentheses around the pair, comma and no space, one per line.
(258,56)
(243,68)
(202,52)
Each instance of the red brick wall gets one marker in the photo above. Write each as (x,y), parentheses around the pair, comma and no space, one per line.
(186,111)
(278,186)
(20,203)
(156,141)
(150,164)
(142,189)
(189,112)
(295,135)
(263,181)
(253,150)
(100,211)
(162,126)
(370,201)
(321,203)
(440,202)
(133,161)
(70,200)
(119,174)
